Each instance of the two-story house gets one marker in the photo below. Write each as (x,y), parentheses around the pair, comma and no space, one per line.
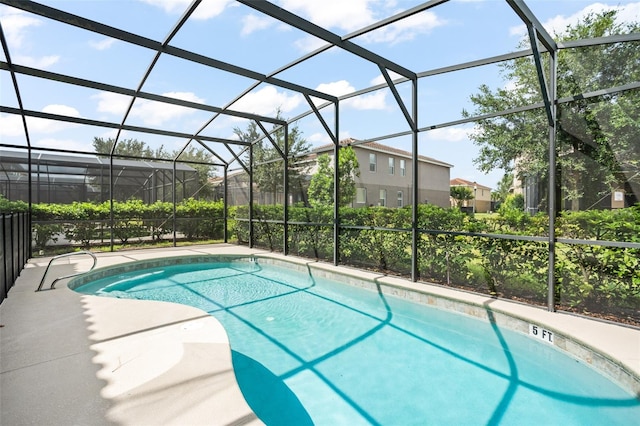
(386,176)
(481,201)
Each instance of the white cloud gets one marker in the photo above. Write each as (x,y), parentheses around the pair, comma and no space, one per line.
(559,23)
(308,44)
(157,113)
(629,13)
(112,133)
(206,10)
(318,139)
(266,101)
(337,88)
(345,135)
(61,110)
(251,23)
(210,8)
(15,23)
(112,103)
(68,144)
(42,63)
(380,78)
(103,44)
(11,124)
(169,6)
(518,31)
(626,13)
(449,134)
(406,29)
(150,112)
(345,15)
(375,100)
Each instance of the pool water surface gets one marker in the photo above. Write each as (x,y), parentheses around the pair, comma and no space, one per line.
(308,351)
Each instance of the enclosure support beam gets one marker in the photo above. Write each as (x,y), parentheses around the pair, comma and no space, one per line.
(308,27)
(225,205)
(16,88)
(336,188)
(67,79)
(106,30)
(415,235)
(109,125)
(250,171)
(111,191)
(273,142)
(523,11)
(285,231)
(333,134)
(544,89)
(411,120)
(551,306)
(320,118)
(173,200)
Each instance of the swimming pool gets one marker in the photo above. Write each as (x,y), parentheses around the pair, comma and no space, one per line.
(307,350)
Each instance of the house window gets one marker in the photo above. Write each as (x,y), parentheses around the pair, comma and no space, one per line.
(372,162)
(403,168)
(383,197)
(400,199)
(392,165)
(361,195)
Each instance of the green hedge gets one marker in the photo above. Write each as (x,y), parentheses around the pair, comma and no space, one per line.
(453,248)
(86,222)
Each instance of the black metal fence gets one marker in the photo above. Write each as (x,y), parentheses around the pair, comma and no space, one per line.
(15,242)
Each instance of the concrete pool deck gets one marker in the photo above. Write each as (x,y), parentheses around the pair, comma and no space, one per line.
(67,358)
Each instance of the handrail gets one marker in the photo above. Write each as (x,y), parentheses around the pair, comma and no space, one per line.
(95,260)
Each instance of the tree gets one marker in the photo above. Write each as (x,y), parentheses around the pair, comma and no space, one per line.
(139,149)
(268,166)
(460,194)
(128,147)
(204,188)
(321,188)
(503,189)
(596,148)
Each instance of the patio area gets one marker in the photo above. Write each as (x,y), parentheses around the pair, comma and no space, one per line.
(68,358)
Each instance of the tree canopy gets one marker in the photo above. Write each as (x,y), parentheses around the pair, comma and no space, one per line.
(128,147)
(321,188)
(139,149)
(503,189)
(460,194)
(597,147)
(268,164)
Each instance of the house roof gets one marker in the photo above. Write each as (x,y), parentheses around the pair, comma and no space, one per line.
(375,146)
(464,182)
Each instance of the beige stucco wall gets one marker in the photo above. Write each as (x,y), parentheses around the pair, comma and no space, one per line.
(433,180)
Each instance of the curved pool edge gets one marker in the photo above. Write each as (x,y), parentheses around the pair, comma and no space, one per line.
(612,349)
(174,360)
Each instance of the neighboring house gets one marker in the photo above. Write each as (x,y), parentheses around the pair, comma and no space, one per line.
(386,176)
(579,190)
(481,203)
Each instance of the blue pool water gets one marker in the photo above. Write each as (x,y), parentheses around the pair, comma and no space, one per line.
(310,351)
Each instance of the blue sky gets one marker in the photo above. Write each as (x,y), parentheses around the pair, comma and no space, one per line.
(455,32)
